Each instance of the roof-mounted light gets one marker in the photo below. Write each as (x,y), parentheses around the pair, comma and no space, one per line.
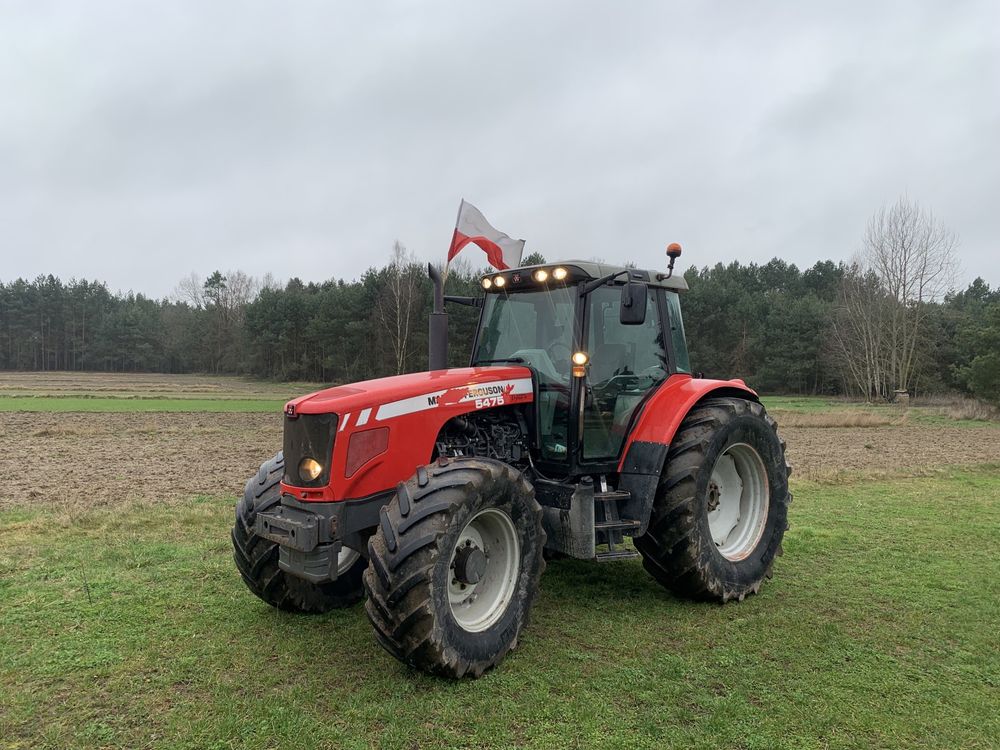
(560,273)
(486,283)
(541,275)
(673,252)
(499,281)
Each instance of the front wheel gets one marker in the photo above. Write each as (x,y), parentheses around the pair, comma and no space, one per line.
(721,507)
(455,566)
(257,558)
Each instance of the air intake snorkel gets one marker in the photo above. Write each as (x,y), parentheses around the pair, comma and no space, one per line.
(437,338)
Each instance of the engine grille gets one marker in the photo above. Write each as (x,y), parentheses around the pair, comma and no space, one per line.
(309,436)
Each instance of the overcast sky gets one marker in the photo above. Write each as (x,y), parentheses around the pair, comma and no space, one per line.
(141,141)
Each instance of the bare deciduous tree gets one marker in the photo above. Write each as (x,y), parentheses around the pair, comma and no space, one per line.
(398,302)
(191,289)
(906,261)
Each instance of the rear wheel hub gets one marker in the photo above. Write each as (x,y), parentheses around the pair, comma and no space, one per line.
(737,502)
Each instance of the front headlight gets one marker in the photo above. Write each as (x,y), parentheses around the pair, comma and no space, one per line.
(309,469)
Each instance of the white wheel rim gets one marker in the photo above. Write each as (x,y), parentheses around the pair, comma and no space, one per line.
(478,606)
(738,500)
(345,559)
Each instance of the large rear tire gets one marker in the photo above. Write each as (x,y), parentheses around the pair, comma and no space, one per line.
(455,566)
(721,506)
(257,558)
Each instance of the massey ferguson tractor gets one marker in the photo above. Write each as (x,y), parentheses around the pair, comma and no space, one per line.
(437,496)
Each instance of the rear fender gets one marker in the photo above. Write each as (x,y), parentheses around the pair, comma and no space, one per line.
(652,433)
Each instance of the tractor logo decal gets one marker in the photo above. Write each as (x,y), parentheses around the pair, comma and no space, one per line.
(483,395)
(494,391)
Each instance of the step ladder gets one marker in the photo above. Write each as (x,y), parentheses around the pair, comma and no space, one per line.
(610,527)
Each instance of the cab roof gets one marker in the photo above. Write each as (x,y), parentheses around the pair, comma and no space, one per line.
(585,270)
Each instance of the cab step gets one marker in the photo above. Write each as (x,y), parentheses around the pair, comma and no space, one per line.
(624,525)
(612,496)
(610,527)
(616,554)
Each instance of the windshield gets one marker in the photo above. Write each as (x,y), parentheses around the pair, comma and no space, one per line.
(535,326)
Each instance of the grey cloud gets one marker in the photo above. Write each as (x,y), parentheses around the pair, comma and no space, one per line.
(140,142)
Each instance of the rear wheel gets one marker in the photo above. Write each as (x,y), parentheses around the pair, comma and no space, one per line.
(721,507)
(257,558)
(455,566)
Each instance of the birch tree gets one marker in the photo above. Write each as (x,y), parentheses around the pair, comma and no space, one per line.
(906,262)
(398,303)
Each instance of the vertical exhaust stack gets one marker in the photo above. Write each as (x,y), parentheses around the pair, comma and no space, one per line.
(437,339)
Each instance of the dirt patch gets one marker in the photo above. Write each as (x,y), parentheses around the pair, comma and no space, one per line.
(145,385)
(75,461)
(871,452)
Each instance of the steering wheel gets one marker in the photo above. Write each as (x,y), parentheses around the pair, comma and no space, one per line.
(560,359)
(618,383)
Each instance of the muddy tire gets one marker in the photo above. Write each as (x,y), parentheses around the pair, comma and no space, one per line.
(257,558)
(455,566)
(721,506)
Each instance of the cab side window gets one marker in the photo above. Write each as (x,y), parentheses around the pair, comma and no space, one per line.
(626,362)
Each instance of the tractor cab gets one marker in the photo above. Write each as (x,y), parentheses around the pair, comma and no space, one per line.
(598,340)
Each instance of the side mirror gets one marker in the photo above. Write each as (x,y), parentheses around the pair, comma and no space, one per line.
(633,306)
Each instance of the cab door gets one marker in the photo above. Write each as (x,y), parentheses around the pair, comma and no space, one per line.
(626,363)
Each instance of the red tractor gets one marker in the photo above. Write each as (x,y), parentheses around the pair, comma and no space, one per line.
(437,495)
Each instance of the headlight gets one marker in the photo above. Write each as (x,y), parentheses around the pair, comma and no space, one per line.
(487,283)
(309,469)
(499,281)
(541,275)
(559,274)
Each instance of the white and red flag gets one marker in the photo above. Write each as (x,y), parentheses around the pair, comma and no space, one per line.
(472,228)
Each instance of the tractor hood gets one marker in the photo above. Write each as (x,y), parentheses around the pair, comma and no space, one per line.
(386,398)
(386,428)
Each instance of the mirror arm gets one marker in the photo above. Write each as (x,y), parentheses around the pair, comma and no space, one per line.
(467,301)
(592,285)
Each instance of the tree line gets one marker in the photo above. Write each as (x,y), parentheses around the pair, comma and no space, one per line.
(871,327)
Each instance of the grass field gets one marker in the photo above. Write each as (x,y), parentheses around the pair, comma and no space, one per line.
(124,624)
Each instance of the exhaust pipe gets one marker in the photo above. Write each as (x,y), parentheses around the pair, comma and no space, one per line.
(437,339)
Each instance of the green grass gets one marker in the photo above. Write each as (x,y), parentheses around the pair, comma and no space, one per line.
(811,404)
(879,630)
(130,404)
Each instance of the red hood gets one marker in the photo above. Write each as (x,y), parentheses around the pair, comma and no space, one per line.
(443,385)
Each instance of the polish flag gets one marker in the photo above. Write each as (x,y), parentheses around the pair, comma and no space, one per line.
(501,251)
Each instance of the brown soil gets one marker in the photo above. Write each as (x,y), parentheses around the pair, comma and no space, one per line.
(870,452)
(73,461)
(148,385)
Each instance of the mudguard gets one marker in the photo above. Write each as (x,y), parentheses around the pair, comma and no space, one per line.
(649,440)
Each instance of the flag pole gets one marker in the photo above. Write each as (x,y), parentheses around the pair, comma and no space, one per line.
(447,263)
